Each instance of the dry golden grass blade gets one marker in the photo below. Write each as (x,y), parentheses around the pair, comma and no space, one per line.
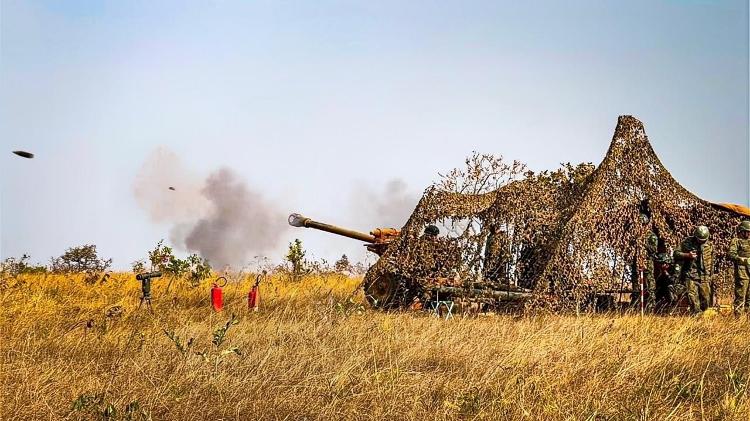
(305,356)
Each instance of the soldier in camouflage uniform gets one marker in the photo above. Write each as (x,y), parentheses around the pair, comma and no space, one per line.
(672,288)
(649,274)
(439,256)
(427,252)
(739,253)
(695,256)
(664,273)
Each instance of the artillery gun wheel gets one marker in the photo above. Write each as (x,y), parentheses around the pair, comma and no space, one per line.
(383,291)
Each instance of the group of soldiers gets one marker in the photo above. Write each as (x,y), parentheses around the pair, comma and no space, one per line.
(690,269)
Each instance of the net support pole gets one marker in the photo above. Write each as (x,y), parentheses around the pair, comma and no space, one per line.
(640,282)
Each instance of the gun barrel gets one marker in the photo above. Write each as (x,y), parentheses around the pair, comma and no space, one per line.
(297,220)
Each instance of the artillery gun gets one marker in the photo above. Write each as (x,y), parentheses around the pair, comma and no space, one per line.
(380,292)
(390,290)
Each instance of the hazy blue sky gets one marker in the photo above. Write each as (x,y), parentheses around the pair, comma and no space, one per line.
(320,105)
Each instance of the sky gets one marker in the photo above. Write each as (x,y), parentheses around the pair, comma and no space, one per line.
(344,111)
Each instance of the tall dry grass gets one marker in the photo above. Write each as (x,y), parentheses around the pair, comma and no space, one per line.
(314,352)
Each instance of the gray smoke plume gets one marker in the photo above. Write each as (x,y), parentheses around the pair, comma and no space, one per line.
(221,218)
(240,224)
(390,206)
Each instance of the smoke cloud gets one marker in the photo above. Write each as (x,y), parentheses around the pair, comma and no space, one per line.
(162,170)
(220,217)
(389,206)
(240,224)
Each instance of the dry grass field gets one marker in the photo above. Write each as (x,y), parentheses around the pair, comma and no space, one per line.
(314,352)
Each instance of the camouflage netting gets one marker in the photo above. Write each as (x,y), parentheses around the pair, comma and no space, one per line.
(564,235)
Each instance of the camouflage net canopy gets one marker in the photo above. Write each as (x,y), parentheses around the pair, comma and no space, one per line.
(561,237)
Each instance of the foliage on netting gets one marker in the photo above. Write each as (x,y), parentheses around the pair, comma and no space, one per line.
(563,234)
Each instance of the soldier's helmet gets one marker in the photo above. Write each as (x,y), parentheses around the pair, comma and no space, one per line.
(432,230)
(745,226)
(701,233)
(652,242)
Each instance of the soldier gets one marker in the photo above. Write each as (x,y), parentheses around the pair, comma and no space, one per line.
(664,280)
(649,274)
(695,256)
(439,256)
(739,253)
(428,253)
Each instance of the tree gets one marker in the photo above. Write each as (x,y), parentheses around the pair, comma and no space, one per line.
(14,267)
(81,259)
(296,258)
(483,173)
(162,258)
(318,267)
(360,268)
(139,266)
(199,268)
(343,265)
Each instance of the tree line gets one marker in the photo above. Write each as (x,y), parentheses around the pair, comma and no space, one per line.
(85,260)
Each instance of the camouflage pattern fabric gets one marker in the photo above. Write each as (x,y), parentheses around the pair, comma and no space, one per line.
(567,235)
